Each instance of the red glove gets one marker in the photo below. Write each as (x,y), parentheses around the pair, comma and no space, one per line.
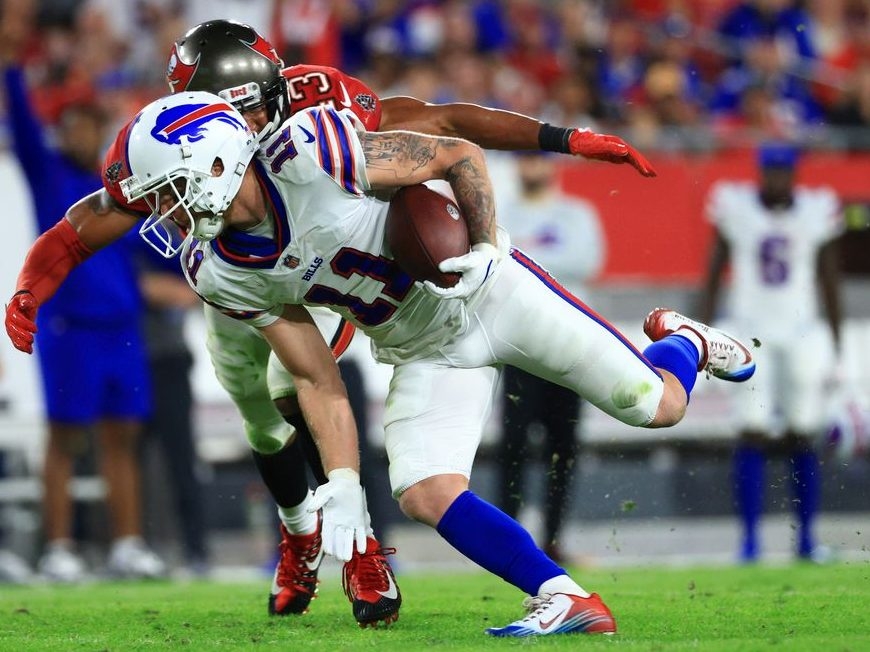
(21,320)
(612,149)
(51,258)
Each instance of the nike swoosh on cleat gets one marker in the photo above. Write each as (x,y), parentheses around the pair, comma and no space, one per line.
(314,564)
(345,97)
(392,592)
(309,137)
(546,625)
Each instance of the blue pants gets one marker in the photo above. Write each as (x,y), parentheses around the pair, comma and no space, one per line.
(89,374)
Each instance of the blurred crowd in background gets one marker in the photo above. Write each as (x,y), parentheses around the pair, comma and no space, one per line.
(666,74)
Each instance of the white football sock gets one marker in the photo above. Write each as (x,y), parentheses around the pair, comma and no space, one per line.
(694,338)
(562,584)
(297,519)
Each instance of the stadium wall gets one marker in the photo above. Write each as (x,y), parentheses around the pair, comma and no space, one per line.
(656,229)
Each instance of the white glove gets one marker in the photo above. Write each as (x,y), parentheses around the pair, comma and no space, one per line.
(474,268)
(344,513)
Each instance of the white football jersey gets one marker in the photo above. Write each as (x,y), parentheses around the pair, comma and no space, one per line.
(323,245)
(774,252)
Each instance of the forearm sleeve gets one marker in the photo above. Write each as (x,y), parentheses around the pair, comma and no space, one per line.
(50,260)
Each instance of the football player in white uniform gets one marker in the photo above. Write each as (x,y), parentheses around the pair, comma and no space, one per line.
(235,61)
(780,240)
(307,206)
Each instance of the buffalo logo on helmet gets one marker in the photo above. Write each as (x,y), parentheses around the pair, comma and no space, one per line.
(191,120)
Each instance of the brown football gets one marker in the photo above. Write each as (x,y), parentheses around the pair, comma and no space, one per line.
(424,228)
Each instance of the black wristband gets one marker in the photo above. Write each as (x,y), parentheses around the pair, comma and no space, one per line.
(554,139)
(22,292)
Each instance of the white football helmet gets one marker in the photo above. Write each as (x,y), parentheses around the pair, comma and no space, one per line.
(171,149)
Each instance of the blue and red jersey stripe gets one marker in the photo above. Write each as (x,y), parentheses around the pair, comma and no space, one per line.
(335,150)
(563,293)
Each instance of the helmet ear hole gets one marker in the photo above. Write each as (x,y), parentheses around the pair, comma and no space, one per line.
(217,168)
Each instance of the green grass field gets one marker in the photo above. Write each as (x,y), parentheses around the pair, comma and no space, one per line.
(799,607)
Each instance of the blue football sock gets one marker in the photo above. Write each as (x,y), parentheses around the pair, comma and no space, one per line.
(748,479)
(806,489)
(678,355)
(495,541)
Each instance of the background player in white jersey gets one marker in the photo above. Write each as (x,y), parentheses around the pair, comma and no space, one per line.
(780,240)
(308,198)
(233,59)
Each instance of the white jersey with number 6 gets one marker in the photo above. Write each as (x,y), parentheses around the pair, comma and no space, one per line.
(774,297)
(774,253)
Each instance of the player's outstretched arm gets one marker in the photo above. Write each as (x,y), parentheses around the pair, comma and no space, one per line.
(90,224)
(498,129)
(303,352)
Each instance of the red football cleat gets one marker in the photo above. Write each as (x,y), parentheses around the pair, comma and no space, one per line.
(295,581)
(723,356)
(370,585)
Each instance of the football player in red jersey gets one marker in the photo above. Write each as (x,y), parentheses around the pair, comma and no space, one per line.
(234,61)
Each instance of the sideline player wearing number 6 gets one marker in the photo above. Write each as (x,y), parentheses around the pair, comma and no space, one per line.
(780,239)
(308,197)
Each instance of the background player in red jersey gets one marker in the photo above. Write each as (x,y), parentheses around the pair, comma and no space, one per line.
(237,63)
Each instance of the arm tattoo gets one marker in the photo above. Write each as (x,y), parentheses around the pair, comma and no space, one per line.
(402,152)
(99,203)
(406,154)
(470,183)
(102,203)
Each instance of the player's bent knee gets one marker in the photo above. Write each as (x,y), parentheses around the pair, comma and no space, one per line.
(427,500)
(672,405)
(270,439)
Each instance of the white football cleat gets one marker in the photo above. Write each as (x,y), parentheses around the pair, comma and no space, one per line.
(130,558)
(60,563)
(722,356)
(560,613)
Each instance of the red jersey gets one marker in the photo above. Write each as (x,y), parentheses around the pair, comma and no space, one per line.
(310,86)
(307,86)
